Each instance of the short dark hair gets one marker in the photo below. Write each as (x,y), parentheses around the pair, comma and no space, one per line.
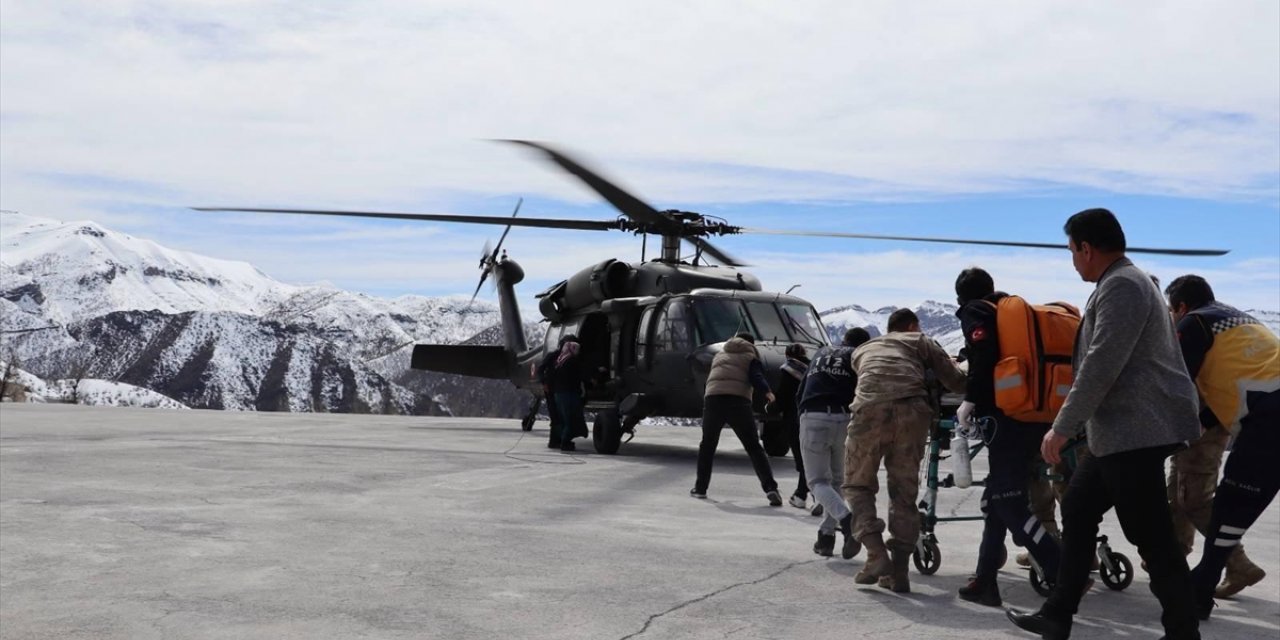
(1191,290)
(795,350)
(1098,227)
(974,283)
(855,336)
(746,336)
(901,319)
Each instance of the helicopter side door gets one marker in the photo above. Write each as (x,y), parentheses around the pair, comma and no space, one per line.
(669,366)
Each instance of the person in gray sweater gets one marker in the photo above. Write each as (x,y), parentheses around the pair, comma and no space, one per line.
(1133,398)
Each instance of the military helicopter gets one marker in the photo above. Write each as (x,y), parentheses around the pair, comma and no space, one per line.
(648,329)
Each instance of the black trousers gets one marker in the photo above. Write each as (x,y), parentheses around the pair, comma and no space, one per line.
(735,411)
(1249,483)
(1134,483)
(1004,500)
(792,422)
(553,415)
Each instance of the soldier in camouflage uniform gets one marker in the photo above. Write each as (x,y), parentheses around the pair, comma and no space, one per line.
(891,415)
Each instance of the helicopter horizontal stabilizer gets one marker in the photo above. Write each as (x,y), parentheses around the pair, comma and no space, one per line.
(479,361)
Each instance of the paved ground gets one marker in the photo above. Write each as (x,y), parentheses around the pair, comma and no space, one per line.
(124,523)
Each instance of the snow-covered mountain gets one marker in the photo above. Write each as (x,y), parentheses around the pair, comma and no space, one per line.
(22,386)
(222,334)
(937,319)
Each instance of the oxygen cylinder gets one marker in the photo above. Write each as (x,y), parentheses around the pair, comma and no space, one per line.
(961,470)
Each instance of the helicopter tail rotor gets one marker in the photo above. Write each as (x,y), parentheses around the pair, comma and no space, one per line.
(489,256)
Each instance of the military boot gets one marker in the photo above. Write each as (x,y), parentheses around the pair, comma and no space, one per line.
(898,580)
(877,560)
(1241,573)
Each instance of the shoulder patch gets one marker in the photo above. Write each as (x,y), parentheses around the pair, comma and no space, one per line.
(978,334)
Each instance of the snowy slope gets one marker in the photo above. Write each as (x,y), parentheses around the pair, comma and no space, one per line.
(216,333)
(73,271)
(82,269)
(937,319)
(87,391)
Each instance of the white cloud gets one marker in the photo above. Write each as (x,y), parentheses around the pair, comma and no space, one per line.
(111,110)
(384,101)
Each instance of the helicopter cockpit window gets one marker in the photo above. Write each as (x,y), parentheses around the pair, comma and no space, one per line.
(769,324)
(717,320)
(672,330)
(804,324)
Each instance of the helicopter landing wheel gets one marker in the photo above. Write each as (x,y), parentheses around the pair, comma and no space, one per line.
(606,433)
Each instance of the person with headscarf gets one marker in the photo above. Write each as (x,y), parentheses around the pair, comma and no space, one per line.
(566,384)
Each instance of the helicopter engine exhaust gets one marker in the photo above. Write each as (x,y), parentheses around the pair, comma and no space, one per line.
(595,284)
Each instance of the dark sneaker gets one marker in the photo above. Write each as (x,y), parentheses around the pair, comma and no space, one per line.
(775,498)
(701,495)
(826,544)
(985,594)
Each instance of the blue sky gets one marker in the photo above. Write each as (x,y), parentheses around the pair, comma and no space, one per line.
(990,120)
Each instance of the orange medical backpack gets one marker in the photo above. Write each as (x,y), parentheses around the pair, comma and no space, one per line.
(1033,374)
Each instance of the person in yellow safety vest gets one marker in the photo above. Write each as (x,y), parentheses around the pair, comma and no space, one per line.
(1235,362)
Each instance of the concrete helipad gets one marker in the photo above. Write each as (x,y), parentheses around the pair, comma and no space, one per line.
(132,523)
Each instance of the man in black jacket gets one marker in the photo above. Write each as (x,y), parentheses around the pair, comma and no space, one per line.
(790,382)
(1010,444)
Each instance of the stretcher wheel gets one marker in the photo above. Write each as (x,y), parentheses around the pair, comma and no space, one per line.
(1123,574)
(927,557)
(1042,586)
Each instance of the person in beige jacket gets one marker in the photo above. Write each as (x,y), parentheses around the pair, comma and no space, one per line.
(736,373)
(891,414)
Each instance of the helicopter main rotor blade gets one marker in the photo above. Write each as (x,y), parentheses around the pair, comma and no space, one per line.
(711,250)
(549,223)
(997,243)
(628,204)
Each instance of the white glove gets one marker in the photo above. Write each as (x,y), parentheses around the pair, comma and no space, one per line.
(964,415)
